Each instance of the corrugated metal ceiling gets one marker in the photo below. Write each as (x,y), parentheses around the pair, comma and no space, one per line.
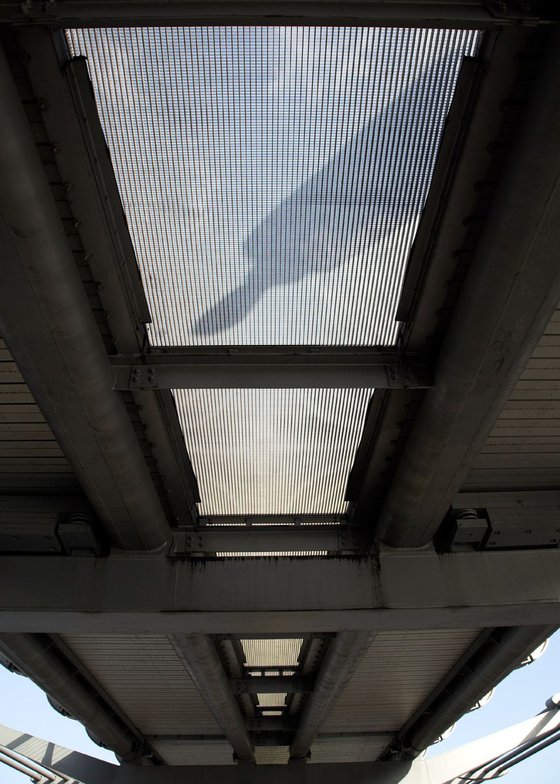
(272,755)
(398,672)
(194,752)
(144,675)
(353,749)
(523,448)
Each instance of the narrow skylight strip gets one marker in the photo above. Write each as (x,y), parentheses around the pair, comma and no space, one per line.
(276,700)
(272,451)
(273,177)
(281,652)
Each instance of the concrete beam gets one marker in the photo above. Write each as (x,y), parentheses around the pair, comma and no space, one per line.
(440,13)
(71,119)
(38,657)
(512,287)
(396,589)
(47,322)
(198,654)
(343,655)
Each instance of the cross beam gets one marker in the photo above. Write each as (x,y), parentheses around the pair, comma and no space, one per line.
(271,367)
(129,593)
(269,539)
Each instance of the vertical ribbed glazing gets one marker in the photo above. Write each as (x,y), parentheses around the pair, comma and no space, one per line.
(282,652)
(272,451)
(274,700)
(273,177)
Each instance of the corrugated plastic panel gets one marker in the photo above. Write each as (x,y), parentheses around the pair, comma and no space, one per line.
(194,752)
(273,177)
(523,447)
(272,451)
(146,678)
(398,672)
(272,700)
(272,653)
(356,749)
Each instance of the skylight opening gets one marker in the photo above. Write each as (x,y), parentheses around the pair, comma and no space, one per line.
(282,652)
(272,451)
(274,700)
(273,177)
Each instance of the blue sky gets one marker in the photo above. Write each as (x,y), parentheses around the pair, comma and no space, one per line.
(522,695)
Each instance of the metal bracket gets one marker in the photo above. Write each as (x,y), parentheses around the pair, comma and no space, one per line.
(39,10)
(402,377)
(142,377)
(78,537)
(349,539)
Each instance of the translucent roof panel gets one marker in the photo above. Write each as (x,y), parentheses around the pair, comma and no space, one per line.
(273,177)
(272,451)
(277,700)
(282,652)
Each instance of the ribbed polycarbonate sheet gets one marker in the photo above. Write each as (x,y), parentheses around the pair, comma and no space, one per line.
(277,700)
(272,652)
(272,451)
(273,177)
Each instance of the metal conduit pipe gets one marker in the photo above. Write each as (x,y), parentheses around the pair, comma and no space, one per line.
(38,657)
(33,769)
(201,660)
(344,654)
(512,288)
(20,767)
(47,322)
(488,667)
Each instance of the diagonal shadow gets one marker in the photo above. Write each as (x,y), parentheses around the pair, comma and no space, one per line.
(352,202)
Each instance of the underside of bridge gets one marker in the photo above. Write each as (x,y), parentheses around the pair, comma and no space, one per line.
(279,368)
